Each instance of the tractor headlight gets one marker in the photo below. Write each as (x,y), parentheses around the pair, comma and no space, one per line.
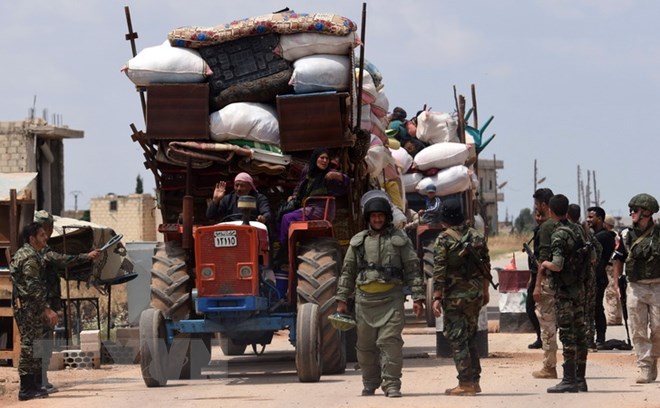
(245,272)
(207,272)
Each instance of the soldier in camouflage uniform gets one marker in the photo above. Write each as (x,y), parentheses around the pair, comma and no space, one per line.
(640,250)
(379,262)
(31,308)
(544,292)
(612,301)
(568,266)
(49,274)
(461,288)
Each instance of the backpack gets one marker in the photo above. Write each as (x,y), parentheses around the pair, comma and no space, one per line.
(579,260)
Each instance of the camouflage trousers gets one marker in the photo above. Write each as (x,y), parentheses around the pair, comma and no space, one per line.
(30,326)
(461,316)
(572,328)
(379,346)
(545,311)
(612,302)
(644,312)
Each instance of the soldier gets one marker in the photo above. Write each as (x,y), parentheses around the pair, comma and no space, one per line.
(379,262)
(460,287)
(530,303)
(49,274)
(568,266)
(612,301)
(596,219)
(31,309)
(544,292)
(640,250)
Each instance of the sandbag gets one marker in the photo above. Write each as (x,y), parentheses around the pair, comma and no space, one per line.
(448,181)
(403,159)
(295,46)
(441,156)
(287,22)
(410,181)
(245,120)
(166,64)
(318,73)
(436,127)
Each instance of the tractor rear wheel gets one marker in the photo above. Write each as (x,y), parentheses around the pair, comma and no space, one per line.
(153,349)
(428,262)
(170,291)
(308,343)
(318,273)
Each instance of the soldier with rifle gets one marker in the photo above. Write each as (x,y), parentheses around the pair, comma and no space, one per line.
(639,249)
(460,289)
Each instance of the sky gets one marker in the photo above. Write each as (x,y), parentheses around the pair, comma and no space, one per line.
(570,83)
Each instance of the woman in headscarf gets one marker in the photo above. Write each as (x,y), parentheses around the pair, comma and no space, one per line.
(317,179)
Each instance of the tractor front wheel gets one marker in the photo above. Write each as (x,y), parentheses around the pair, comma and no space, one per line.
(308,343)
(153,349)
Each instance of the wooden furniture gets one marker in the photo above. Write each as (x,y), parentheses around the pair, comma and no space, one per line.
(12,349)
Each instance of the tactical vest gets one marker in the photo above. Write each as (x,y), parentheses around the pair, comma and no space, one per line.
(385,267)
(458,264)
(643,261)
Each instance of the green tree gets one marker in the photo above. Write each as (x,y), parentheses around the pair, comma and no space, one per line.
(139,188)
(525,221)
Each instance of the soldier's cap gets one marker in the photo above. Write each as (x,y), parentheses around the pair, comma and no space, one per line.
(342,321)
(43,217)
(430,187)
(609,220)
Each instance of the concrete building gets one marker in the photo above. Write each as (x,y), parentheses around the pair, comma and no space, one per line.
(488,194)
(34,146)
(135,215)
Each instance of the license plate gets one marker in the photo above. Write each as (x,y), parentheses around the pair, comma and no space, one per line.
(223,239)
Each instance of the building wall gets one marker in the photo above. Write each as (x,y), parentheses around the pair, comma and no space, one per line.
(488,193)
(133,216)
(16,148)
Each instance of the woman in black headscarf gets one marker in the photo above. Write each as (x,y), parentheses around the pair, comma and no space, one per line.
(317,179)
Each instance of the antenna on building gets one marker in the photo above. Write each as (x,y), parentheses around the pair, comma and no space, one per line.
(75,194)
(33,108)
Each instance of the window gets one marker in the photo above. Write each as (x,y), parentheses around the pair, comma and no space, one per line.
(113,205)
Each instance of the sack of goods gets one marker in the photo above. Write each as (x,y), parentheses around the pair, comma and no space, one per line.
(436,127)
(245,120)
(441,156)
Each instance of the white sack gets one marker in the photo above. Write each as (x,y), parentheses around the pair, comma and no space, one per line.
(166,64)
(403,159)
(245,120)
(317,73)
(441,156)
(296,46)
(436,127)
(410,181)
(448,181)
(381,105)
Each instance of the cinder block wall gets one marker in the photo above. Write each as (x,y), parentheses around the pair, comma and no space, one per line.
(134,215)
(16,148)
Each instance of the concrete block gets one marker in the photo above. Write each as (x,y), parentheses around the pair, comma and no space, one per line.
(79,359)
(88,336)
(90,347)
(56,361)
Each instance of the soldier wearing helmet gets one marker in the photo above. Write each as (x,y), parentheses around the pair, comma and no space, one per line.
(379,262)
(639,250)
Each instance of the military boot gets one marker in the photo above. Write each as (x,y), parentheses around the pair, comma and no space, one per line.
(545,372)
(28,389)
(463,389)
(477,387)
(568,383)
(580,377)
(42,382)
(645,375)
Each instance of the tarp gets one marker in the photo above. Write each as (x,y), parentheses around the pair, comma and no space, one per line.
(21,182)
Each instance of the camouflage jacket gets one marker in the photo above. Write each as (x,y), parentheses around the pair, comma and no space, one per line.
(26,273)
(54,269)
(387,257)
(456,275)
(564,241)
(642,256)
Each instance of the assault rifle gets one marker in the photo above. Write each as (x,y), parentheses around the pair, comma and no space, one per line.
(530,255)
(468,249)
(623,283)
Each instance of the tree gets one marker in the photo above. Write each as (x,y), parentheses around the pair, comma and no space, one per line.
(139,189)
(525,221)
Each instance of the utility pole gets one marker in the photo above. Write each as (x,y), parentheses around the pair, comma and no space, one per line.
(75,194)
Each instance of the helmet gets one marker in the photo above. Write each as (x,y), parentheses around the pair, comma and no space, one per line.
(378,204)
(645,201)
(342,321)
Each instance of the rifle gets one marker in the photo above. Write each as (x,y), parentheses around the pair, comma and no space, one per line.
(468,249)
(623,284)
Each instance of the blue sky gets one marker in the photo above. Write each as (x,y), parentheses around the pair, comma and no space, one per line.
(569,82)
